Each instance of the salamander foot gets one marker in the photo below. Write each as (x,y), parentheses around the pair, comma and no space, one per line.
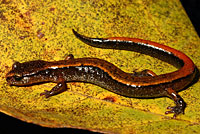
(180,104)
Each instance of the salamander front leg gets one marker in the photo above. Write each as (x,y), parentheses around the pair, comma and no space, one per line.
(59,88)
(69,57)
(180,104)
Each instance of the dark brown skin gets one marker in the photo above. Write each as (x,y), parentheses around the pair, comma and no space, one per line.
(145,84)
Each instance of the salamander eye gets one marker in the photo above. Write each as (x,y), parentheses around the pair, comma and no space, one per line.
(17,78)
(15,65)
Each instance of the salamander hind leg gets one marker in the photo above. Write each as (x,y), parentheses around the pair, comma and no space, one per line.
(59,88)
(180,104)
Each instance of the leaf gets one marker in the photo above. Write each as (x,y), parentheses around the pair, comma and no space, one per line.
(32,30)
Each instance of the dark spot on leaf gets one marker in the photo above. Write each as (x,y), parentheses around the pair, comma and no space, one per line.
(110,98)
(52,9)
(40,34)
(5,2)
(22,37)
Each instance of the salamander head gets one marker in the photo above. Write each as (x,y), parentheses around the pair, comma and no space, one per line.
(21,72)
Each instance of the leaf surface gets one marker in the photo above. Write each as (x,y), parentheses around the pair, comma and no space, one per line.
(32,30)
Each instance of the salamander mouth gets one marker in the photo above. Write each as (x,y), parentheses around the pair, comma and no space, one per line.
(9,80)
(13,80)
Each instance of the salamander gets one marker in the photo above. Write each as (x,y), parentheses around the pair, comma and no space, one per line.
(144,84)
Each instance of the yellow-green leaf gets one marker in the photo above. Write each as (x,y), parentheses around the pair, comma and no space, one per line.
(41,29)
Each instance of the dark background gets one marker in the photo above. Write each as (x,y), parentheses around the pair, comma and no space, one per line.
(11,125)
(192,7)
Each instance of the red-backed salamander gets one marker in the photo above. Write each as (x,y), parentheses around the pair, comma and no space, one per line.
(144,84)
